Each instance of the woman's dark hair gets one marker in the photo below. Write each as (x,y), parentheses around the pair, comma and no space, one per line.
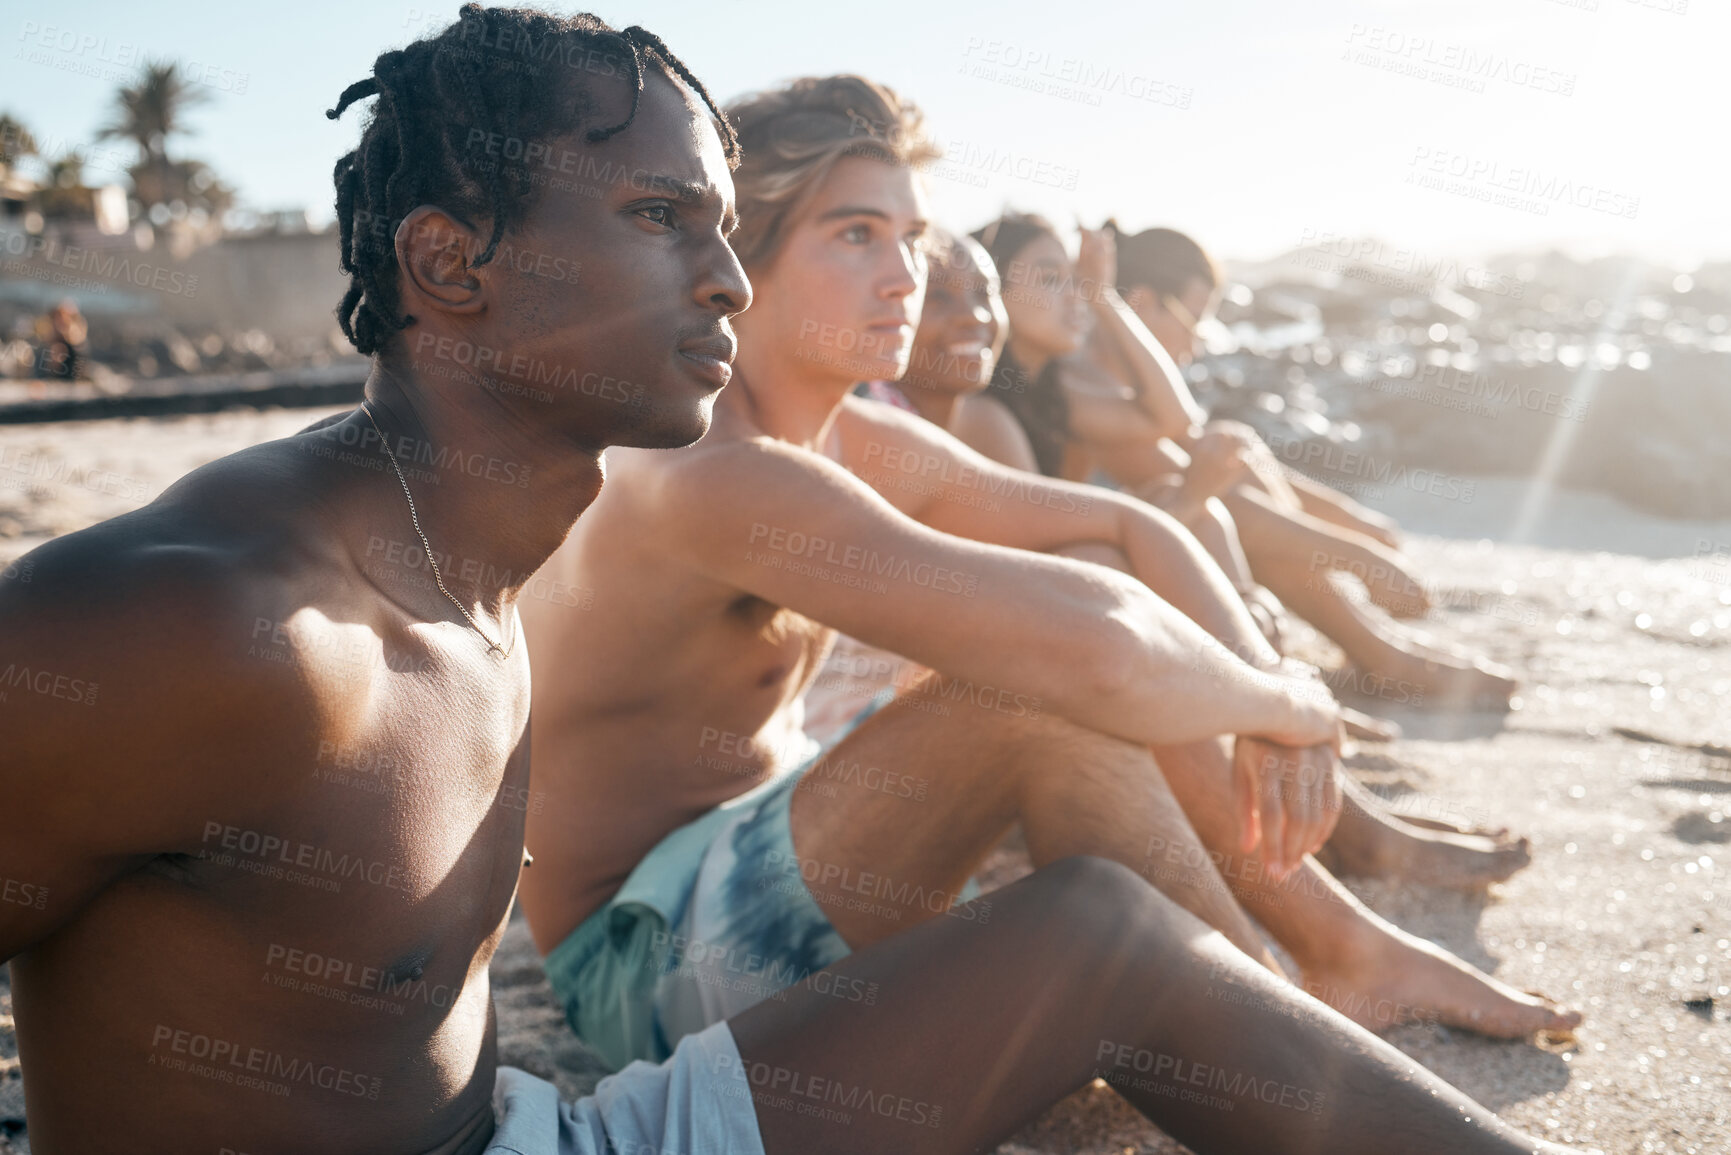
(1036,402)
(1164,260)
(462,122)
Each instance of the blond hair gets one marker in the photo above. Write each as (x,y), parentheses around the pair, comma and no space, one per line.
(791,137)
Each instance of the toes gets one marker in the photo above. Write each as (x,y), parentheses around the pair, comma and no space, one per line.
(1524,1018)
(1562,1019)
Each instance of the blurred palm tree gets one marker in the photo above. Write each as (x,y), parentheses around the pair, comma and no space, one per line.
(154,109)
(64,194)
(150,112)
(15,141)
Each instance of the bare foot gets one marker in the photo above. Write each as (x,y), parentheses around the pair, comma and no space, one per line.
(1414,850)
(1404,979)
(1366,728)
(1452,828)
(1389,583)
(1436,680)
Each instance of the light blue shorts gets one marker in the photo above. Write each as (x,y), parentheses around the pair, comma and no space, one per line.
(696,1103)
(716,918)
(631,983)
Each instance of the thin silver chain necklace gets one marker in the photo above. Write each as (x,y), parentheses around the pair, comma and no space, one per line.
(414,519)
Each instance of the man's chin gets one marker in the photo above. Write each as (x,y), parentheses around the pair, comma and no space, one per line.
(665,430)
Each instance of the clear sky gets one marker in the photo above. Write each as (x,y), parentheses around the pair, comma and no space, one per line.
(1456,126)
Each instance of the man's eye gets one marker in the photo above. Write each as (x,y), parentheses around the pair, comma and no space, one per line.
(660,214)
(857,234)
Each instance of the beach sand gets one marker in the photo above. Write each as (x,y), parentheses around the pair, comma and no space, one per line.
(1615,764)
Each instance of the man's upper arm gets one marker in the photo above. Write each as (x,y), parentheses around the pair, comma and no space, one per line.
(126,717)
(799,531)
(968,494)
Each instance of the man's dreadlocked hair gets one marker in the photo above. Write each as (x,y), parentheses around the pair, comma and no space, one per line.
(445,102)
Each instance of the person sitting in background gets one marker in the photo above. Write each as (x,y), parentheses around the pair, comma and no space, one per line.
(1114,396)
(62,332)
(956,348)
(1171,284)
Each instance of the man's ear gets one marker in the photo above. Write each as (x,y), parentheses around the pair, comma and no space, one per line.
(433,250)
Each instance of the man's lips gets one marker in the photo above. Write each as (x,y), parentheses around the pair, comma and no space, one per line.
(719,348)
(889,337)
(712,357)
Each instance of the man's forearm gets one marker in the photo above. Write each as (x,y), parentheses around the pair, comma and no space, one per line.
(1184,686)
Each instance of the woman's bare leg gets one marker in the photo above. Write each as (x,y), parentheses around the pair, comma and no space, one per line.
(1220,539)
(1274,536)
(1335,507)
(1388,665)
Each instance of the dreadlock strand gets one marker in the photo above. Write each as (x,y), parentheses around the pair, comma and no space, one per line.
(344,176)
(359,90)
(377,308)
(419,144)
(469,81)
(655,45)
(597,135)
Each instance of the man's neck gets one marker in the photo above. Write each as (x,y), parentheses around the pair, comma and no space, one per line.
(493,499)
(789,399)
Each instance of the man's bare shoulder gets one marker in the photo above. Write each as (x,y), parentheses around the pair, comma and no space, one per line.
(158,605)
(878,438)
(868,413)
(862,416)
(134,698)
(683,483)
(700,507)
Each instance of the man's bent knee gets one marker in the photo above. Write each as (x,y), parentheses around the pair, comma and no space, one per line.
(1096,898)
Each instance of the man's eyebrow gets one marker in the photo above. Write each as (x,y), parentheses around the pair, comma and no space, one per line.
(836,214)
(919,224)
(678,188)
